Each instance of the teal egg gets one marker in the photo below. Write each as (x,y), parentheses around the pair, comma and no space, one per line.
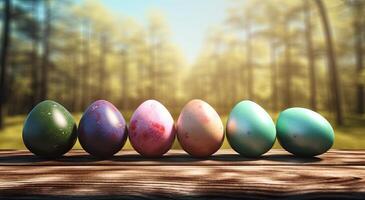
(250,129)
(304,132)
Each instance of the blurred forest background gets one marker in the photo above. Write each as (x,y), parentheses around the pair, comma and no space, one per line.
(277,53)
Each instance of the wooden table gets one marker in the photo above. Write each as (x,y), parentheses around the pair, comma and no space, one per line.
(277,175)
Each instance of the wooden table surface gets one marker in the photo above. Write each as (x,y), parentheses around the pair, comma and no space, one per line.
(276,175)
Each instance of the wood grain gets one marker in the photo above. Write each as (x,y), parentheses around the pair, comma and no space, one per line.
(277,175)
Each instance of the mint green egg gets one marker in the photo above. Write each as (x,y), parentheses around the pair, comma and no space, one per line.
(304,132)
(250,130)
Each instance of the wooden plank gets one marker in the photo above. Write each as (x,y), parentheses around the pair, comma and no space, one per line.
(336,174)
(178,157)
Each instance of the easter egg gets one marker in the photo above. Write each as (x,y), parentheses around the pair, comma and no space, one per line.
(151,129)
(102,129)
(304,132)
(49,130)
(199,129)
(250,129)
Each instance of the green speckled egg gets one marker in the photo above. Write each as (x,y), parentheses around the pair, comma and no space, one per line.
(250,130)
(304,132)
(49,130)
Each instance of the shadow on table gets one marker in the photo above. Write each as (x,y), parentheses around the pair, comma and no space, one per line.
(288,158)
(170,158)
(9,159)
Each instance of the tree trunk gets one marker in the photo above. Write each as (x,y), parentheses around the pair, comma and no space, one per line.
(74,83)
(141,76)
(81,67)
(310,56)
(5,43)
(220,77)
(124,79)
(102,61)
(85,66)
(46,49)
(274,90)
(249,66)
(34,59)
(359,52)
(152,66)
(288,70)
(152,74)
(242,80)
(334,80)
(233,79)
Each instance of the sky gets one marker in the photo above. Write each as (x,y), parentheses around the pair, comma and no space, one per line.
(188,20)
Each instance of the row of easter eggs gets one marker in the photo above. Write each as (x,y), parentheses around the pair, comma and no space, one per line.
(50,130)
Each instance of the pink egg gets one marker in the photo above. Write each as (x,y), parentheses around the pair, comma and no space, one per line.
(151,129)
(199,129)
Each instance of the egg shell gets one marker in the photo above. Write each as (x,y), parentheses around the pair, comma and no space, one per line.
(304,132)
(199,129)
(49,130)
(151,129)
(250,129)
(102,129)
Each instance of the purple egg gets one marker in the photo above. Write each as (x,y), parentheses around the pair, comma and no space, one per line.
(102,130)
(151,130)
